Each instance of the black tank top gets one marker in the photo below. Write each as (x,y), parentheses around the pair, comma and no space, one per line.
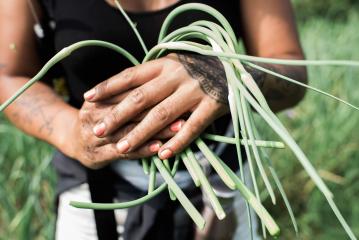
(95,19)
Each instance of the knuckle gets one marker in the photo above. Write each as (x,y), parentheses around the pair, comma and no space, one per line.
(134,137)
(83,114)
(128,74)
(137,96)
(194,129)
(128,128)
(94,165)
(161,114)
(113,118)
(101,88)
(89,161)
(178,144)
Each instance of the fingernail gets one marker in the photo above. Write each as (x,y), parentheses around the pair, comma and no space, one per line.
(175,127)
(166,154)
(99,129)
(123,146)
(155,147)
(90,94)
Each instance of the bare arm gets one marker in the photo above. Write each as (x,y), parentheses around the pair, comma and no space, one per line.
(39,112)
(269,30)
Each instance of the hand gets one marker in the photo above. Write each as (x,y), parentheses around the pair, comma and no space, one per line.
(94,152)
(167,88)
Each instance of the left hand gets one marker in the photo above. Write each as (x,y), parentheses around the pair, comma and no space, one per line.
(164,90)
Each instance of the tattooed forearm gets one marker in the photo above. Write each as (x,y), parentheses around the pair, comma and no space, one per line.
(209,72)
(33,108)
(257,75)
(280,93)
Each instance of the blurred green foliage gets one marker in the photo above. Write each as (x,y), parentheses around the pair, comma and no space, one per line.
(326,130)
(26,186)
(329,9)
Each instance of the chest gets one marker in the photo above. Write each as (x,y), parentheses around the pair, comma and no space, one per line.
(96,19)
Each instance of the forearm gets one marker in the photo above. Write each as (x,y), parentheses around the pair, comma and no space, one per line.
(279,93)
(39,111)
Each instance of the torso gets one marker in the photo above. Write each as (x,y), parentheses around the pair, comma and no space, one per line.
(96,19)
(139,6)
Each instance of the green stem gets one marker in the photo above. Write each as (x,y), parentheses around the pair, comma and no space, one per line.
(133,203)
(300,84)
(267,219)
(145,166)
(152,179)
(133,26)
(65,52)
(185,202)
(171,194)
(230,140)
(190,169)
(211,157)
(206,186)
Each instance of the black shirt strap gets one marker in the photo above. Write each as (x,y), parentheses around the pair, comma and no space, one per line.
(102,191)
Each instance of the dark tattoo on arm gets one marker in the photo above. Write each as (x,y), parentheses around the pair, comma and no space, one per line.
(258,76)
(209,72)
(274,88)
(34,108)
(280,94)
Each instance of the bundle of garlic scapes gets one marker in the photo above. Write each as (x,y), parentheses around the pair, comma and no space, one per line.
(244,95)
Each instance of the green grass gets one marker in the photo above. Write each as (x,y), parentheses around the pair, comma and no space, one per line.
(326,130)
(26,186)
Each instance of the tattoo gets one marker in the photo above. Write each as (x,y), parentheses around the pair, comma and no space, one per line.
(35,106)
(274,88)
(209,72)
(258,76)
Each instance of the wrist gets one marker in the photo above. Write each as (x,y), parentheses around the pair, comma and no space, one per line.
(65,135)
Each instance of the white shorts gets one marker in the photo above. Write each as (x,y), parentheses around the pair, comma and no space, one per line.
(79,224)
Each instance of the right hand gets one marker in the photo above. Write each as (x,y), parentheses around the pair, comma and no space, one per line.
(93,152)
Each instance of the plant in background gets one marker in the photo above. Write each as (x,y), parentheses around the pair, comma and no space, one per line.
(244,95)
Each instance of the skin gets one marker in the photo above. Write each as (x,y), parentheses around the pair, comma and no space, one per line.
(41,113)
(143,6)
(148,117)
(202,93)
(149,105)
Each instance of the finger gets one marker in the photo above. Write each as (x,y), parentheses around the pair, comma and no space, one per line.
(161,115)
(136,102)
(115,137)
(193,127)
(170,130)
(114,99)
(141,116)
(127,79)
(109,152)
